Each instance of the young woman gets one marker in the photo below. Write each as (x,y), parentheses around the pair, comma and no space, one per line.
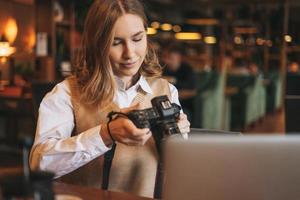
(117,70)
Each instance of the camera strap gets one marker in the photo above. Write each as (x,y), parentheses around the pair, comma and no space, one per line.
(109,155)
(158,180)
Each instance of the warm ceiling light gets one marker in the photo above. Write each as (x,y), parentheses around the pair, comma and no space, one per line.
(155,25)
(250,41)
(259,41)
(151,31)
(166,27)
(238,40)
(11,30)
(176,28)
(210,40)
(245,30)
(269,43)
(188,36)
(203,21)
(288,38)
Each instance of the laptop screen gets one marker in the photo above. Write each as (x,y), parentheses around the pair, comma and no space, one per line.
(232,167)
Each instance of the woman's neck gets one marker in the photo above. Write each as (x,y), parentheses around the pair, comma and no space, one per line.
(129,80)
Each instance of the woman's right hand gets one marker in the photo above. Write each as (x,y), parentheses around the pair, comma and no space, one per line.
(124,131)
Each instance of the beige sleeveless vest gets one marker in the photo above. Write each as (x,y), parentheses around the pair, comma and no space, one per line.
(134,167)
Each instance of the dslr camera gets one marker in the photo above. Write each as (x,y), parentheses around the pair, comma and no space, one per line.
(161,118)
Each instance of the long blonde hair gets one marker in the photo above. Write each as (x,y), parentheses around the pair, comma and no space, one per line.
(93,70)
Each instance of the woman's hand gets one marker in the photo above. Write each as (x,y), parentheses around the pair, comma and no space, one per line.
(124,131)
(183,123)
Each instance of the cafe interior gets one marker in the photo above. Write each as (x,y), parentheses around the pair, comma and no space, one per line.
(244,56)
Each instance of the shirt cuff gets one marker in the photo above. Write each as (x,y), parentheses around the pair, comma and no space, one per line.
(94,142)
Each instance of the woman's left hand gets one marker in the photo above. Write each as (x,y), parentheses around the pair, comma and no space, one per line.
(183,123)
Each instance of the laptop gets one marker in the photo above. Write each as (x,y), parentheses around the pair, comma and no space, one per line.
(232,167)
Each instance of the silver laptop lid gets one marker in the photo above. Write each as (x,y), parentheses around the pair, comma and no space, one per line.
(232,167)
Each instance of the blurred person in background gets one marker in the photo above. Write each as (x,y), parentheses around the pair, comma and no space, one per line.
(182,75)
(253,68)
(227,60)
(240,67)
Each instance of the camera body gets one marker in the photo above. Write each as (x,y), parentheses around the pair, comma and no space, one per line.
(161,118)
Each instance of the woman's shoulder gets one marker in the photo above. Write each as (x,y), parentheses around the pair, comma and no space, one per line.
(58,99)
(61,91)
(62,87)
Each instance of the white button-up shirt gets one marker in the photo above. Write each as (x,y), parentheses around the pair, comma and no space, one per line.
(54,149)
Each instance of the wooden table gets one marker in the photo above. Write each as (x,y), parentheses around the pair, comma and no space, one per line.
(89,193)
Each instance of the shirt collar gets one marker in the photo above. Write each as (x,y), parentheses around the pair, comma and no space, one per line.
(145,85)
(142,83)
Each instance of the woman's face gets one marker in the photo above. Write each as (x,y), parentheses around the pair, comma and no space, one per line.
(129,45)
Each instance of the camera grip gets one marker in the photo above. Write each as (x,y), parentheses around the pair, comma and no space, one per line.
(138,118)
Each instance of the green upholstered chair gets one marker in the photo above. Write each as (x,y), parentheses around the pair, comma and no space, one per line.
(274,91)
(256,101)
(209,101)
